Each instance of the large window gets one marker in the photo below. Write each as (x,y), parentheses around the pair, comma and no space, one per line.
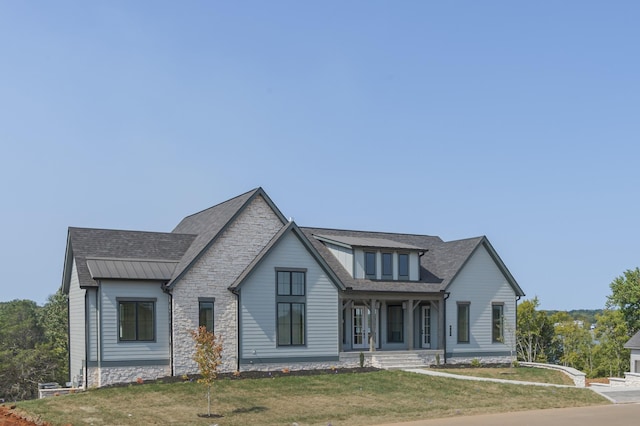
(387,266)
(403,266)
(370,265)
(497,322)
(291,303)
(205,313)
(136,320)
(463,322)
(395,325)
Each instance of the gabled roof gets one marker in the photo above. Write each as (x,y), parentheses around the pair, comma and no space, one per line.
(634,342)
(293,228)
(439,265)
(87,243)
(209,224)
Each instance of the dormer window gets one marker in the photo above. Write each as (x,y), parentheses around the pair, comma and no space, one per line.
(387,266)
(370,265)
(403,267)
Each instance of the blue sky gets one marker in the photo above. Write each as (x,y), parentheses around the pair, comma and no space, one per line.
(514,120)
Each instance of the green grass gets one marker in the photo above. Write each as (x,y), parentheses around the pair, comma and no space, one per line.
(526,374)
(342,399)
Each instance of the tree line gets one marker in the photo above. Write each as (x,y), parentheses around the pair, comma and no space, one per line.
(596,348)
(33,346)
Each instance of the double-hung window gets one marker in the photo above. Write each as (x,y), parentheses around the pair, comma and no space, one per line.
(463,322)
(291,302)
(136,320)
(205,313)
(497,322)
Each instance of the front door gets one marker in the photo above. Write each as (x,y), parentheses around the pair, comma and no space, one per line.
(360,326)
(426,327)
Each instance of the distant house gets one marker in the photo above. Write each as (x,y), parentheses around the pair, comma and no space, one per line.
(279,295)
(634,345)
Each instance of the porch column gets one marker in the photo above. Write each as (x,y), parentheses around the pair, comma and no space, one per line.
(409,312)
(373,320)
(443,327)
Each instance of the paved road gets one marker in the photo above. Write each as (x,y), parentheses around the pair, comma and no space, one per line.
(609,415)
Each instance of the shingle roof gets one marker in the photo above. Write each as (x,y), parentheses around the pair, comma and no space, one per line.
(208,224)
(634,342)
(116,244)
(438,266)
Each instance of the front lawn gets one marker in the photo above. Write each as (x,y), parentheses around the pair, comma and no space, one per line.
(525,374)
(343,398)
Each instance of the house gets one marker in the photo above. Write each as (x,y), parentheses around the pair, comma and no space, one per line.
(279,296)
(634,346)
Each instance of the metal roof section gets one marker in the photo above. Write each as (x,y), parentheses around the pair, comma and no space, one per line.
(367,242)
(127,269)
(93,243)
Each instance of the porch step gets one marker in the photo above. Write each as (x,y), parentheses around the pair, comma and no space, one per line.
(397,360)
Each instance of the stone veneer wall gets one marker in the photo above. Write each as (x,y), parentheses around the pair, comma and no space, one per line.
(211,276)
(105,376)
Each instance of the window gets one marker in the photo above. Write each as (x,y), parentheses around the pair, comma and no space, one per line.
(463,322)
(403,266)
(497,319)
(370,265)
(136,320)
(387,266)
(395,325)
(205,313)
(291,307)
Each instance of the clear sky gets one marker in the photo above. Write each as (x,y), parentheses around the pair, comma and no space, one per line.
(515,120)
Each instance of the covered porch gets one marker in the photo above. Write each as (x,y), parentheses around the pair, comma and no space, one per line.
(392,322)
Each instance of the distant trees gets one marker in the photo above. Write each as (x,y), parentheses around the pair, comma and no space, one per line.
(33,346)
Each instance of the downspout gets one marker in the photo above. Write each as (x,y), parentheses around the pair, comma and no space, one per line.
(444,323)
(239,339)
(98,334)
(166,290)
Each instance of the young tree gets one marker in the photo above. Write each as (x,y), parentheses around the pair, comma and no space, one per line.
(612,333)
(625,295)
(208,356)
(534,332)
(53,318)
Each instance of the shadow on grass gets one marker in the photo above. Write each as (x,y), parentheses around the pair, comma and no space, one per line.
(250,410)
(210,416)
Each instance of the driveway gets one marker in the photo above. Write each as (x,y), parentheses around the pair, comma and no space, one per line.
(609,415)
(619,395)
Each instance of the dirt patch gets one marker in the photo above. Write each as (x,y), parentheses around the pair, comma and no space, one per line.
(603,380)
(8,417)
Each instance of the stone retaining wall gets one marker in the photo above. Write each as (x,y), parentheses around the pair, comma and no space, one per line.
(578,377)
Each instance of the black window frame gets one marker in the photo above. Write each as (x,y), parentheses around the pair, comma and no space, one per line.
(497,324)
(370,260)
(464,307)
(288,296)
(402,276)
(137,320)
(202,303)
(387,274)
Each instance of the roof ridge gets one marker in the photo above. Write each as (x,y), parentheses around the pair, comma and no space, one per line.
(369,232)
(224,202)
(133,231)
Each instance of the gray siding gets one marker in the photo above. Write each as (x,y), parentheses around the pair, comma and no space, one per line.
(111,348)
(481,283)
(92,324)
(344,256)
(76,326)
(258,304)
